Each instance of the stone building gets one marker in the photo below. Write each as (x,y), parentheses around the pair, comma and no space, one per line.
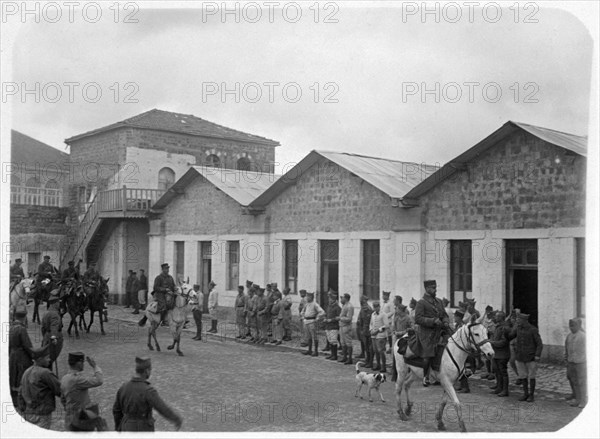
(119,171)
(39,177)
(504,223)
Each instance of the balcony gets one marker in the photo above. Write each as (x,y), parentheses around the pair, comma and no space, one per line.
(36,196)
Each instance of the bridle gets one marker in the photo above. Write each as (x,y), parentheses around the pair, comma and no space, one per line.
(470,340)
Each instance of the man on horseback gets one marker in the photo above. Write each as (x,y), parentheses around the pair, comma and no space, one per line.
(431,318)
(71,272)
(163,284)
(16,272)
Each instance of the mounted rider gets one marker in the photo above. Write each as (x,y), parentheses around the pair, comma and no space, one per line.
(72,271)
(432,320)
(16,271)
(164,289)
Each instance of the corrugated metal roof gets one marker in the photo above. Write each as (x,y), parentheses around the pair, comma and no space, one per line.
(242,186)
(572,142)
(392,177)
(181,123)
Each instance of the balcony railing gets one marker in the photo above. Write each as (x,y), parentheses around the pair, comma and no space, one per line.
(35,196)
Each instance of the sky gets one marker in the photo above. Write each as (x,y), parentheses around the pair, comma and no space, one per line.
(390,81)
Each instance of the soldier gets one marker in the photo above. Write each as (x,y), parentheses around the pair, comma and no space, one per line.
(251,314)
(163,284)
(39,388)
(362,329)
(142,293)
(286,306)
(276,318)
(301,306)
(528,350)
(388,309)
(463,381)
(310,314)
(129,285)
(16,271)
(332,325)
(74,389)
(20,352)
(345,318)
(501,344)
(51,327)
(401,326)
(262,316)
(70,272)
(213,306)
(197,303)
(46,268)
(431,318)
(411,306)
(378,330)
(576,364)
(91,274)
(248,297)
(136,399)
(240,312)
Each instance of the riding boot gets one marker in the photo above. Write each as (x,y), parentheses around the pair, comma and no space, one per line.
(349,360)
(377,361)
(369,357)
(334,352)
(525,390)
(316,351)
(213,326)
(328,357)
(327,347)
(499,384)
(344,354)
(309,352)
(504,386)
(362,350)
(464,385)
(531,390)
(142,321)
(383,365)
(389,339)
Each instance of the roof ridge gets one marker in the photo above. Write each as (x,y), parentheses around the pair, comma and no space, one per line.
(376,158)
(548,129)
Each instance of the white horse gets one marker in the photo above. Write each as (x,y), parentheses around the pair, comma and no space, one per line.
(468,340)
(176,318)
(19,296)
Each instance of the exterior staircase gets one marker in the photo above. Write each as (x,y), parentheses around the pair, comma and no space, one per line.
(108,207)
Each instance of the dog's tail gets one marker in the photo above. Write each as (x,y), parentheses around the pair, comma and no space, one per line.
(360,363)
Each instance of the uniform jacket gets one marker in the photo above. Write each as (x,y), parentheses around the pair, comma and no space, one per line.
(74,391)
(286,305)
(39,388)
(364,320)
(529,343)
(302,305)
(347,314)
(132,410)
(379,320)
(91,275)
(19,348)
(501,341)
(143,282)
(16,272)
(427,310)
(333,311)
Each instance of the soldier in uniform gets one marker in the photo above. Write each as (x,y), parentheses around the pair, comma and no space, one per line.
(143,289)
(163,284)
(276,318)
(362,330)
(431,318)
(301,306)
(251,313)
(262,317)
(213,306)
(240,312)
(501,344)
(70,272)
(310,314)
(46,268)
(528,350)
(248,297)
(129,287)
(136,399)
(332,325)
(39,389)
(346,328)
(74,389)
(20,352)
(286,310)
(388,309)
(378,330)
(51,327)
(197,303)
(91,274)
(16,271)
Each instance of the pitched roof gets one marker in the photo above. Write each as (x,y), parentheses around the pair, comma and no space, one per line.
(242,186)
(25,149)
(179,123)
(392,177)
(571,142)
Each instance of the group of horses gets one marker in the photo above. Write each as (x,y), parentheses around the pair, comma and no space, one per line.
(75,299)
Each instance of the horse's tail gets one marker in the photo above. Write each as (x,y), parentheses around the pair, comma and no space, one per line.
(360,363)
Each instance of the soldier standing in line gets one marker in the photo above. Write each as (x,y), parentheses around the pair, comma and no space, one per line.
(310,314)
(362,327)
(136,399)
(240,312)
(345,319)
(248,297)
(251,313)
(378,330)
(197,304)
(528,352)
(388,309)
(332,325)
(276,318)
(261,316)
(286,306)
(213,307)
(301,306)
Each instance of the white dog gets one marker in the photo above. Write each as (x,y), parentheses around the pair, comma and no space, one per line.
(371,380)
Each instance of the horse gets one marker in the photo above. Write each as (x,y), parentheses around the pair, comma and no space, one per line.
(468,340)
(176,318)
(96,294)
(19,296)
(73,296)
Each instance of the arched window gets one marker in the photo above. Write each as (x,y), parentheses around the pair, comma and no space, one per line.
(213,161)
(32,191)
(166,178)
(243,164)
(52,195)
(16,191)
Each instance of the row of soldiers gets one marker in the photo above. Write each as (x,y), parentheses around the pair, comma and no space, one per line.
(47,270)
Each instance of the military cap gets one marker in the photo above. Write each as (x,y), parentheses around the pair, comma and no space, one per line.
(523,316)
(241,287)
(196,286)
(286,290)
(54,296)
(413,301)
(302,291)
(212,283)
(143,362)
(255,285)
(40,352)
(489,308)
(430,283)
(273,284)
(20,312)
(364,298)
(165,265)
(347,296)
(310,294)
(18,260)
(402,307)
(386,293)
(249,283)
(398,298)
(46,257)
(268,286)
(75,357)
(376,303)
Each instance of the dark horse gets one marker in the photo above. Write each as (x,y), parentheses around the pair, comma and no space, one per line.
(41,292)
(97,292)
(74,299)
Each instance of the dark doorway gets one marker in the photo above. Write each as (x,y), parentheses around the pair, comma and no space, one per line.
(205,269)
(522,277)
(329,269)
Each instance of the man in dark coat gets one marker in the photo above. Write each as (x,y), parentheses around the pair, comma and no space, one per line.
(431,318)
(528,350)
(16,271)
(46,267)
(362,330)
(70,272)
(501,344)
(51,328)
(163,284)
(136,399)
(20,352)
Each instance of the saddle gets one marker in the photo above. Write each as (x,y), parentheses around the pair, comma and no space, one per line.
(407,347)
